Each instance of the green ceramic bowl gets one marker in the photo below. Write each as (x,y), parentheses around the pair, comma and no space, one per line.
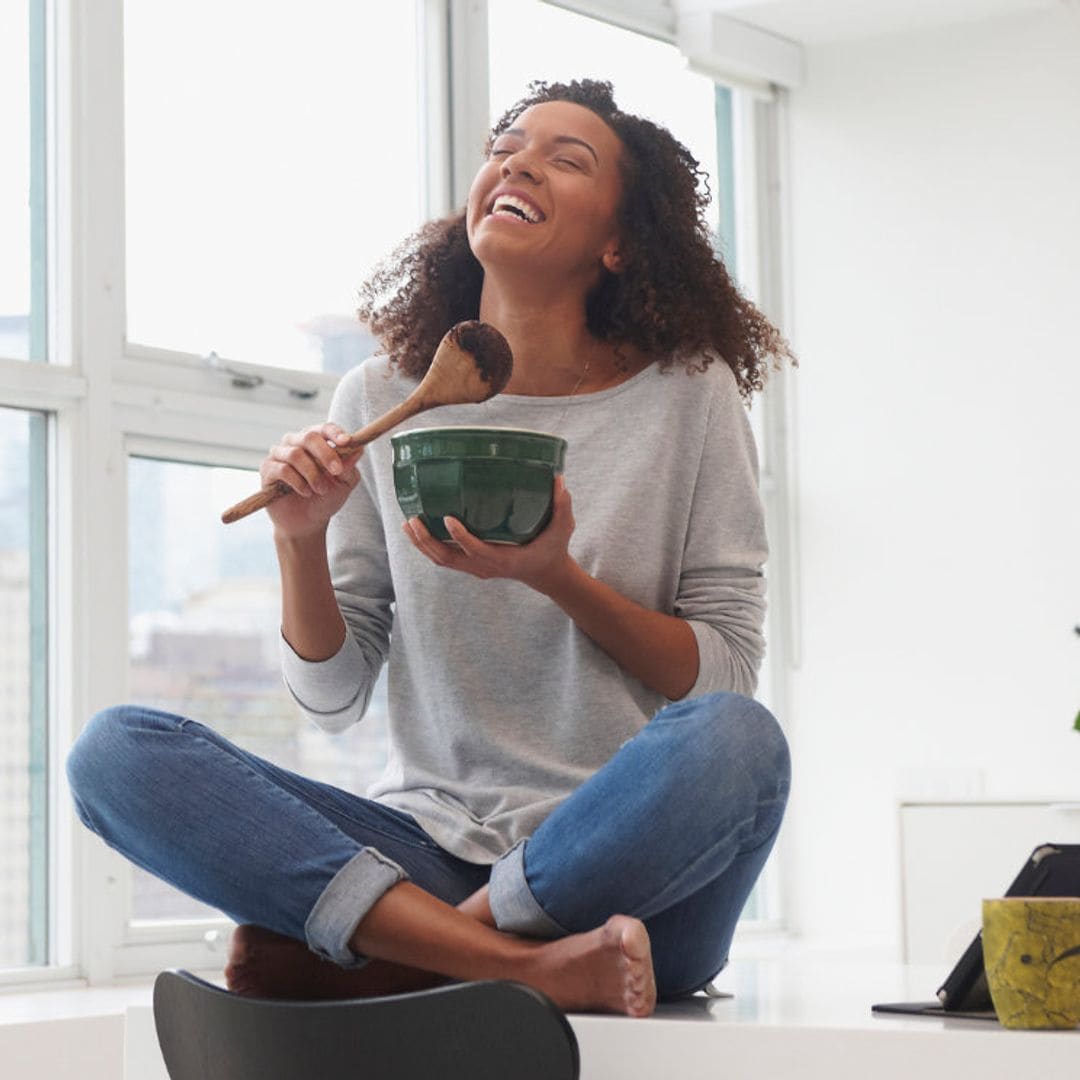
(497,481)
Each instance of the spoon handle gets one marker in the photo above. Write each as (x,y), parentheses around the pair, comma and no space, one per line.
(412,405)
(415,403)
(264,497)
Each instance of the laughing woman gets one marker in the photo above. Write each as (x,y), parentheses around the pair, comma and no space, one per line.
(581,790)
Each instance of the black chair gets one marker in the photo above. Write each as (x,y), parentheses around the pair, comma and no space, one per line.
(466,1031)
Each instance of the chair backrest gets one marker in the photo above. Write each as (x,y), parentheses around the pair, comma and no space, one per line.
(466,1031)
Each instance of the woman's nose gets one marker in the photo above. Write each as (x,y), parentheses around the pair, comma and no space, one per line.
(518,164)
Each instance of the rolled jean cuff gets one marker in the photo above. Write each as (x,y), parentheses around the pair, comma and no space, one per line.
(513,905)
(351,894)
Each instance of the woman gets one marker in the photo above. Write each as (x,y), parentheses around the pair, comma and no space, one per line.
(580,792)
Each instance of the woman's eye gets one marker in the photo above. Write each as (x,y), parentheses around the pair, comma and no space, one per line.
(496,153)
(567,161)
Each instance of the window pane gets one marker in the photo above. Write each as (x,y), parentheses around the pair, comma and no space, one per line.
(533,40)
(23,727)
(22,181)
(272,157)
(205,617)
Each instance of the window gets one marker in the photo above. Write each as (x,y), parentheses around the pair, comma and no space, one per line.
(530,40)
(239,171)
(272,158)
(181,179)
(25,849)
(24,854)
(204,607)
(22,182)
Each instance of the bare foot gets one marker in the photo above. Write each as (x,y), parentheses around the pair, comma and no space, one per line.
(266,964)
(606,970)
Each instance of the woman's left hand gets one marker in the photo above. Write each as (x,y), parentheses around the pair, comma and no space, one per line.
(538,564)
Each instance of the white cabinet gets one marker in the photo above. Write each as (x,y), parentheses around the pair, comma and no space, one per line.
(952,855)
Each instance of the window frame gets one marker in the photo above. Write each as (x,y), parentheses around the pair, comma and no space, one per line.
(761,214)
(107,399)
(198,943)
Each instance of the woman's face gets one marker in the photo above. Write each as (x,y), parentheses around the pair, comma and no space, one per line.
(547,196)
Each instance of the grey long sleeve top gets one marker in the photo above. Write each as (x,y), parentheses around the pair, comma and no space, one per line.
(499,706)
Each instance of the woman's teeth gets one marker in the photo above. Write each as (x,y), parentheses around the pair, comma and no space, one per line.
(510,206)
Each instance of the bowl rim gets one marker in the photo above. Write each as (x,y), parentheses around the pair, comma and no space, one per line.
(478,428)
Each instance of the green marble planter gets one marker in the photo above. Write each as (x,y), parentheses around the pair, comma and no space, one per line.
(497,481)
(1031,949)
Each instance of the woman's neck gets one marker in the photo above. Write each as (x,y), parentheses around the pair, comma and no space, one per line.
(554,353)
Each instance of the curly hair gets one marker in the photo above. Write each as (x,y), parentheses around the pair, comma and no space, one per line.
(673,300)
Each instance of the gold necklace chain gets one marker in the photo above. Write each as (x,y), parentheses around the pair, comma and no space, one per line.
(577,386)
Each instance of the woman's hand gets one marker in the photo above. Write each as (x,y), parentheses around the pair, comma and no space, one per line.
(539,564)
(320,479)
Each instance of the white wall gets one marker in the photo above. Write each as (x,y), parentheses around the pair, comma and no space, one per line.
(936,265)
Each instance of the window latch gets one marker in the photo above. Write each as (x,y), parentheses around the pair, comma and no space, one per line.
(243,377)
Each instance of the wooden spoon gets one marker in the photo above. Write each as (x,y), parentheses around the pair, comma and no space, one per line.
(471,364)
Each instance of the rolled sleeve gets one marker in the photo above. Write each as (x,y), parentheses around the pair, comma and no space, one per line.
(728,659)
(328,691)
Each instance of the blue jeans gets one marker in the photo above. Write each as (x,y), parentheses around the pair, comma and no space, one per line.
(674,829)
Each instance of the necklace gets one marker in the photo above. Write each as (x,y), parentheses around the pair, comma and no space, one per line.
(577,385)
(488,404)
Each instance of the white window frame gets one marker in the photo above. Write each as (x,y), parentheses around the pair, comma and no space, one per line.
(762,186)
(108,399)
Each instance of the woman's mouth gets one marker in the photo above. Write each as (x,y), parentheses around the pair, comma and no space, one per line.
(515,209)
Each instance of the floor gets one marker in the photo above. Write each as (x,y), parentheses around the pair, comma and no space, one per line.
(796,1014)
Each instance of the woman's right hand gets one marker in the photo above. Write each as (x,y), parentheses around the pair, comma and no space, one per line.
(320,479)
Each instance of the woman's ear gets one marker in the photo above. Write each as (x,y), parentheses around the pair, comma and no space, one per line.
(613,261)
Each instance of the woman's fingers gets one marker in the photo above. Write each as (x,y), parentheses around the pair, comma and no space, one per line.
(532,563)
(297,467)
(308,463)
(308,460)
(321,445)
(562,504)
(450,556)
(426,544)
(467,553)
(471,546)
